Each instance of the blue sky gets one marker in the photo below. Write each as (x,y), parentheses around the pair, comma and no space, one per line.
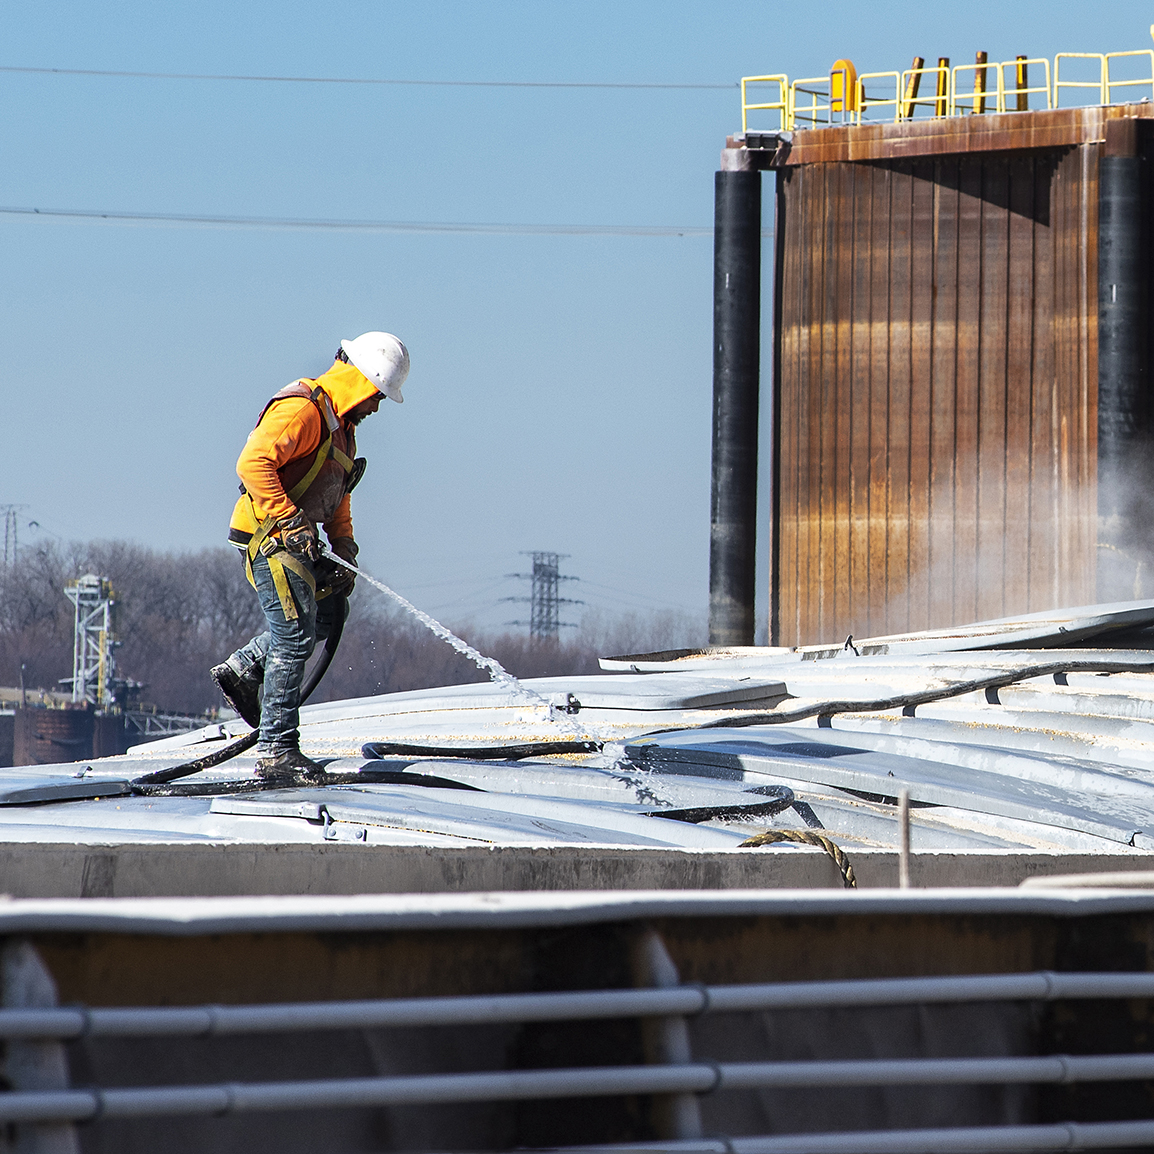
(560,391)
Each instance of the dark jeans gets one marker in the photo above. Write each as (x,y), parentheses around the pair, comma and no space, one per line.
(279,654)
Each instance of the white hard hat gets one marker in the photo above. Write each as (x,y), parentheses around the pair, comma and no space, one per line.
(382,358)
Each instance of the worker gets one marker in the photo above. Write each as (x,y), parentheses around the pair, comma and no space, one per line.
(297,470)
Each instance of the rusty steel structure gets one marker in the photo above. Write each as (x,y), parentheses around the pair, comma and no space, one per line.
(935,402)
(952,439)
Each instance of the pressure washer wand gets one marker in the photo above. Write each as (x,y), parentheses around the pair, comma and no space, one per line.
(328,555)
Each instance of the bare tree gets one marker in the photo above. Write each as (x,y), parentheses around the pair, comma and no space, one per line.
(179,614)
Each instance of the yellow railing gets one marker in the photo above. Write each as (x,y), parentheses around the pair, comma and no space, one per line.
(1017,97)
(815,100)
(1098,85)
(912,97)
(865,101)
(809,110)
(981,98)
(941,91)
(780,105)
(1138,82)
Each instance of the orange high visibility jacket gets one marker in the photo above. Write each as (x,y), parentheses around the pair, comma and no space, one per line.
(283,448)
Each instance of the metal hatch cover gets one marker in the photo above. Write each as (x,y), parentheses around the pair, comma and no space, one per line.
(478,816)
(18,788)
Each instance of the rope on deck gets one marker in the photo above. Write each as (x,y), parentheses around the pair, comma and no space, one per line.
(807,837)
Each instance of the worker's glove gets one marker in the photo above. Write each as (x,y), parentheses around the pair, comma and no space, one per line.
(299,536)
(342,581)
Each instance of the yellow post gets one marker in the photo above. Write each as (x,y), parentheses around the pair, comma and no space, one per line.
(1023,83)
(942,92)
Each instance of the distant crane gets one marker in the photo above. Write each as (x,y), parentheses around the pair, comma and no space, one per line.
(544,597)
(94,642)
(94,681)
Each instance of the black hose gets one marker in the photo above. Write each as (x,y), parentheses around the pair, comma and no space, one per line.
(363,776)
(235,748)
(217,757)
(783,799)
(993,681)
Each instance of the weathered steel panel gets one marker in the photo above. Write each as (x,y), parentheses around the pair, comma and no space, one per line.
(857,526)
(897,474)
(967,339)
(944,369)
(958,135)
(921,400)
(936,393)
(876,401)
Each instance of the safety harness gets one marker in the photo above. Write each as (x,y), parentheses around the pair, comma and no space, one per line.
(264,539)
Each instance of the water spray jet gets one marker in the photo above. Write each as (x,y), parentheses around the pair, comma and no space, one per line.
(496,671)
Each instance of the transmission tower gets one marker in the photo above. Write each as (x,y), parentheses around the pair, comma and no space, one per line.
(544,597)
(93,660)
(11,526)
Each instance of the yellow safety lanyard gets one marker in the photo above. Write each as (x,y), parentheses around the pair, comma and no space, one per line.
(262,541)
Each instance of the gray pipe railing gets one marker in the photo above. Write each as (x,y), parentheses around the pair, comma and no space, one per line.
(581,1082)
(73,1022)
(960,1140)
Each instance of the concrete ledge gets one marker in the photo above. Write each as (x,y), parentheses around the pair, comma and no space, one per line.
(38,870)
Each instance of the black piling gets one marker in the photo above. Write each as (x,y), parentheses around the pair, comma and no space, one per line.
(736,348)
(1123,302)
(1125,473)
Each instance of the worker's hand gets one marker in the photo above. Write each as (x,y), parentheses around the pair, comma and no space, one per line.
(299,536)
(342,580)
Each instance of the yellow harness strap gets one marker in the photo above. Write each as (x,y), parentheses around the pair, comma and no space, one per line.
(279,559)
(278,562)
(325,451)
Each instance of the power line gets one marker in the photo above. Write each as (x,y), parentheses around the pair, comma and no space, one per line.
(471,596)
(356,80)
(640,605)
(649,600)
(493,578)
(401,226)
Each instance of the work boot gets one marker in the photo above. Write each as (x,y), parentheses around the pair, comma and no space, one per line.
(291,767)
(239,692)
